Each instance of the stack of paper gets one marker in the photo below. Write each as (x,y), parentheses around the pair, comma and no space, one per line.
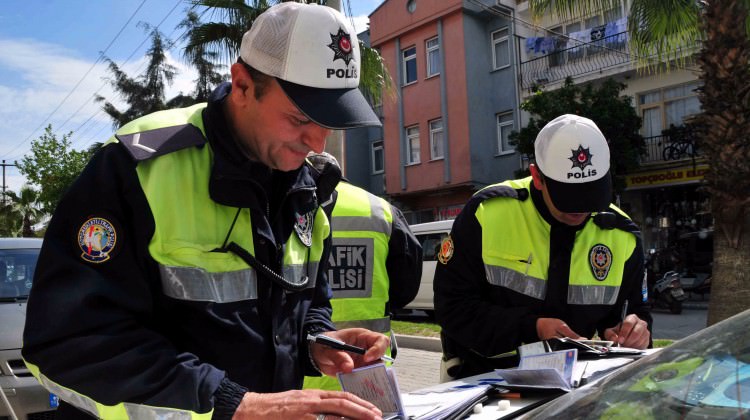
(552,370)
(450,403)
(377,384)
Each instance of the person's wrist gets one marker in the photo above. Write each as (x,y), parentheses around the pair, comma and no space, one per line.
(312,359)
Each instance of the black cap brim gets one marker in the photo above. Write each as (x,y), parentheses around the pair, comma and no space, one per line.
(336,109)
(588,197)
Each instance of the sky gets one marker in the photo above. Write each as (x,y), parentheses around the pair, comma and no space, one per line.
(51,66)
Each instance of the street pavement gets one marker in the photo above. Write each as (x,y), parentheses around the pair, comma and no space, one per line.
(418,362)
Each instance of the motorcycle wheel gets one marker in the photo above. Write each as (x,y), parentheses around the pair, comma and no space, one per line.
(675,307)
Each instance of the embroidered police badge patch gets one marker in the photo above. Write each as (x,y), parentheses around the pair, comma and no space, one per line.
(446,250)
(600,258)
(97,238)
(303,225)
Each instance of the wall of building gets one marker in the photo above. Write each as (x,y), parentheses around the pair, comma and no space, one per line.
(491,92)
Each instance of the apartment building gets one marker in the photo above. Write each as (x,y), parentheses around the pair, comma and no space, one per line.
(461,69)
(445,133)
(663,196)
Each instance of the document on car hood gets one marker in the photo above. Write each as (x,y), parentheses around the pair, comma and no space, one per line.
(553,370)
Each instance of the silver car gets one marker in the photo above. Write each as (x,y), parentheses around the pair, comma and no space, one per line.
(703,376)
(21,396)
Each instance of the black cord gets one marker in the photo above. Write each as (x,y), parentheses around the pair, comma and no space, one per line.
(231,228)
(262,268)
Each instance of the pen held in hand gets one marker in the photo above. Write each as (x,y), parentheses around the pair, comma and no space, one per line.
(623,314)
(340,345)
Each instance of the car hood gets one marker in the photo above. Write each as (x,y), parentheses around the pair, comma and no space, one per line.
(11,329)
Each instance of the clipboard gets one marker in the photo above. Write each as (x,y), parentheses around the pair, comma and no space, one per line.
(591,348)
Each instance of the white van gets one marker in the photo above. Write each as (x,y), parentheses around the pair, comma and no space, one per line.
(430,235)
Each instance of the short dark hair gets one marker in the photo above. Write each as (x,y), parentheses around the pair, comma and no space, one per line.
(260,79)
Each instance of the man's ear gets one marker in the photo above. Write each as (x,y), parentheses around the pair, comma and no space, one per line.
(536,175)
(242,83)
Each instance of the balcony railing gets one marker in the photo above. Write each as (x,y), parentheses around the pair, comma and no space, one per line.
(578,60)
(665,148)
(586,58)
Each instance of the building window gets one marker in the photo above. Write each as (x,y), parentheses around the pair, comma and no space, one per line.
(500,49)
(378,157)
(411,6)
(412,145)
(432,46)
(668,106)
(504,127)
(410,65)
(437,140)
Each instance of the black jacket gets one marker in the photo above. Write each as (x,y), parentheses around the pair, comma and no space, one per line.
(107,331)
(480,320)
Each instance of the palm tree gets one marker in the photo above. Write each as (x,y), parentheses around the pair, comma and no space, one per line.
(10,220)
(24,207)
(659,29)
(146,93)
(203,61)
(223,39)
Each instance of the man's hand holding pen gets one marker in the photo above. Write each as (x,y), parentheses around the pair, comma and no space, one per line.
(332,360)
(631,331)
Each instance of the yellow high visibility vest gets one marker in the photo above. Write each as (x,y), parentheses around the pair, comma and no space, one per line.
(361,224)
(597,260)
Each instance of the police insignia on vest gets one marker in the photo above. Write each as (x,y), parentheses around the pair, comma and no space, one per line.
(303,225)
(97,238)
(600,258)
(446,250)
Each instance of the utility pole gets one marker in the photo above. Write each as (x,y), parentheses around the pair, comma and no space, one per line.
(335,140)
(5,186)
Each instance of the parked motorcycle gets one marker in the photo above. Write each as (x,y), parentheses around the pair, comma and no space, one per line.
(668,293)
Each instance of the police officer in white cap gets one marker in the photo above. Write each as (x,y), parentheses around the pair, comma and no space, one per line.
(541,257)
(184,271)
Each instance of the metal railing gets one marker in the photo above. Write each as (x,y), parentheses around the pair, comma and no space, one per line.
(588,57)
(584,58)
(665,148)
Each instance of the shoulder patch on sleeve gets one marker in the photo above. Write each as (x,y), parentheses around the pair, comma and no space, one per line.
(152,143)
(97,239)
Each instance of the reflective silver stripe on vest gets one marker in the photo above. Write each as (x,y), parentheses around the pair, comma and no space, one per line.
(593,295)
(381,325)
(518,282)
(293,273)
(376,223)
(77,400)
(197,284)
(136,411)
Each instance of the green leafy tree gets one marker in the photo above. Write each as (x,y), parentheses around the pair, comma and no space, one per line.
(659,31)
(52,165)
(612,112)
(145,94)
(234,17)
(26,207)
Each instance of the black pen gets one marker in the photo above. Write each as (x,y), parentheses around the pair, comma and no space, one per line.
(340,345)
(623,314)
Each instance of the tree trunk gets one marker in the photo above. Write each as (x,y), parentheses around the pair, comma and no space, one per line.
(724,127)
(730,293)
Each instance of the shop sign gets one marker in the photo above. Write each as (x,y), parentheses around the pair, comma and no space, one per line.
(673,176)
(447,213)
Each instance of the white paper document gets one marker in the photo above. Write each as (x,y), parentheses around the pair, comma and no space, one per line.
(552,370)
(376,384)
(444,403)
